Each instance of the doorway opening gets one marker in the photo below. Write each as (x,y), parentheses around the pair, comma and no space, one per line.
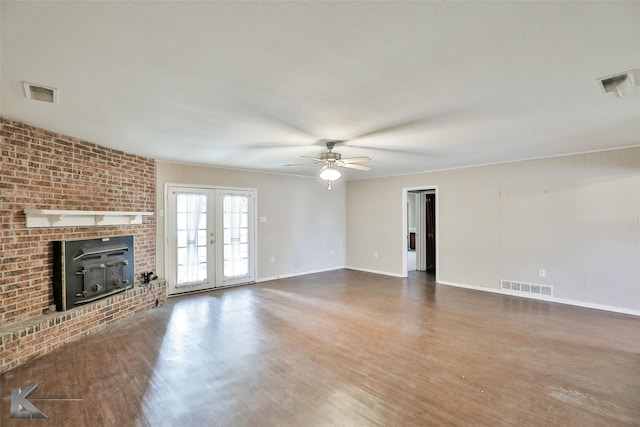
(420,231)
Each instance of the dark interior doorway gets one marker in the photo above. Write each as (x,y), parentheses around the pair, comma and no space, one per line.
(421,220)
(430,233)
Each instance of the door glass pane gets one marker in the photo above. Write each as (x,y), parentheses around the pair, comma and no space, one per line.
(235,235)
(182,220)
(202,235)
(182,239)
(192,243)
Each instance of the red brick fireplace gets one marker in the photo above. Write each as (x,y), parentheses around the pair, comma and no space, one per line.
(40,169)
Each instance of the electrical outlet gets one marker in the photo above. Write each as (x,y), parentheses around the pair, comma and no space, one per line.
(375,254)
(542,273)
(273,259)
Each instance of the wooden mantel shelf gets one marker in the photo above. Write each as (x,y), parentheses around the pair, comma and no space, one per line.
(71,218)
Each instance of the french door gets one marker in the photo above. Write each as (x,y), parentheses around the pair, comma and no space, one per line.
(210,238)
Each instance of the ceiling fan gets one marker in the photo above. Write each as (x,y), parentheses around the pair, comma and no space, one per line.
(331,161)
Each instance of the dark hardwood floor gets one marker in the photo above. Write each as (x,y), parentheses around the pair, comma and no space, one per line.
(344,348)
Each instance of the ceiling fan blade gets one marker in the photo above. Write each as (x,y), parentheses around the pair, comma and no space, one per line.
(315,159)
(355,159)
(428,119)
(354,166)
(271,146)
(389,150)
(301,164)
(392,127)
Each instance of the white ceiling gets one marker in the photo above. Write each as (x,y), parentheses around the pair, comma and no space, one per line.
(416,86)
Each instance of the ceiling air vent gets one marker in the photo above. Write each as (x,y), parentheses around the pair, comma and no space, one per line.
(40,93)
(621,83)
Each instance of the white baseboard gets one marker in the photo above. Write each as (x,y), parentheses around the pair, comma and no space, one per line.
(545,298)
(366,270)
(302,273)
(575,303)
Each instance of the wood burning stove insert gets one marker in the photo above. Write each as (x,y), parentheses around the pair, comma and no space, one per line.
(90,269)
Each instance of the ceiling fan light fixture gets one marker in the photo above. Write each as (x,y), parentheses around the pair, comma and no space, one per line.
(329,173)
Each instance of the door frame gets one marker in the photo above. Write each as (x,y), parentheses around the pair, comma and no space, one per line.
(405,226)
(166,226)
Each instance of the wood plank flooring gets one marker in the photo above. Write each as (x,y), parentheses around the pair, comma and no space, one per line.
(343,348)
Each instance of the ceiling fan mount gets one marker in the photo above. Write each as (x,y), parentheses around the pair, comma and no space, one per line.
(330,156)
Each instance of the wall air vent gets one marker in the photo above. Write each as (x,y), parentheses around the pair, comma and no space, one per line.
(526,288)
(40,93)
(621,83)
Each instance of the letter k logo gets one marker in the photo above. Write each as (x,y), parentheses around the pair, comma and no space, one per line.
(21,407)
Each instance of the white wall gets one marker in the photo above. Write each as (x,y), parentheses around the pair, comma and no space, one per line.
(577,217)
(305,222)
(411,211)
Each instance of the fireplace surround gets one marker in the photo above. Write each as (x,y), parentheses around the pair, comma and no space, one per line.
(51,173)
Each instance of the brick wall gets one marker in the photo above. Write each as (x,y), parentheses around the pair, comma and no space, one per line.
(40,169)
